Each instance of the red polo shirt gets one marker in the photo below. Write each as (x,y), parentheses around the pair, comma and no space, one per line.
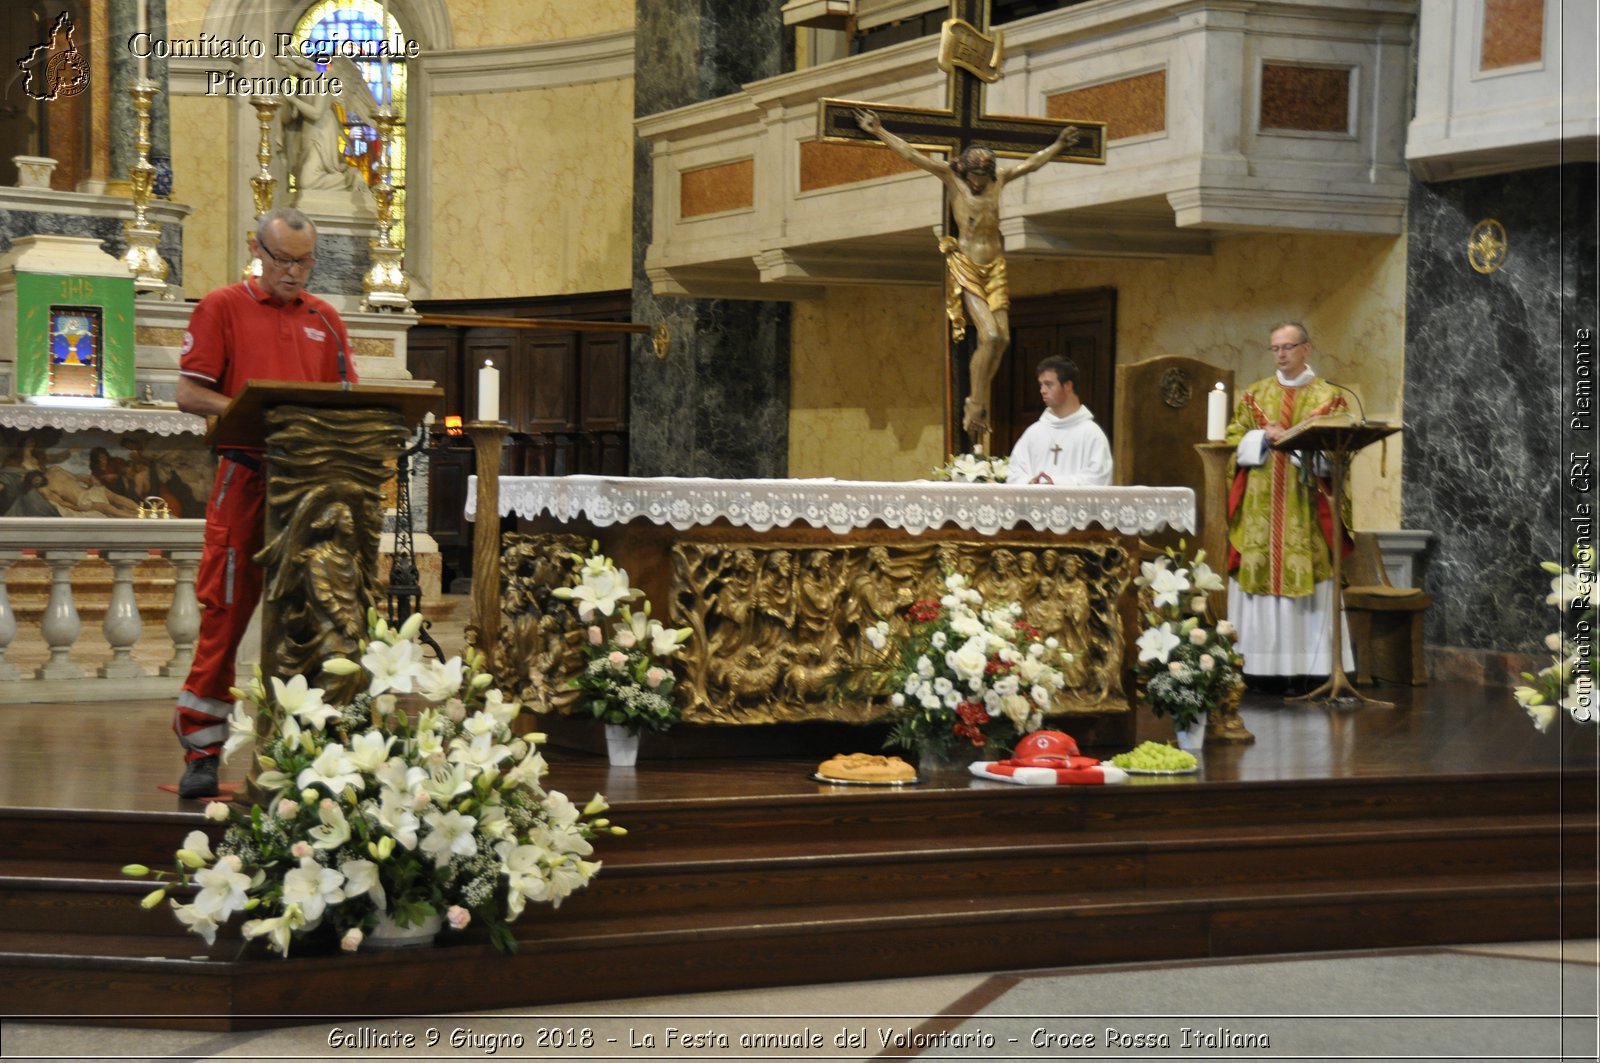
(242,333)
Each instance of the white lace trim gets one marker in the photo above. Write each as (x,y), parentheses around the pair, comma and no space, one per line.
(843,505)
(107,419)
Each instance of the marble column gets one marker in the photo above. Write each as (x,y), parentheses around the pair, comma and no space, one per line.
(718,404)
(1489,374)
(124,71)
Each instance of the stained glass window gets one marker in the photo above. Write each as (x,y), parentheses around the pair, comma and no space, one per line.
(331,22)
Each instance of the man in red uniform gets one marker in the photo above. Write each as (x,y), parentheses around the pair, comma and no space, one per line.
(266,328)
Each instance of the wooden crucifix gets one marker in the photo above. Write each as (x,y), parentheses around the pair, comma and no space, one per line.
(975,282)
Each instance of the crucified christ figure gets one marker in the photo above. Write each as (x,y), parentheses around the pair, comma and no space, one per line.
(976,255)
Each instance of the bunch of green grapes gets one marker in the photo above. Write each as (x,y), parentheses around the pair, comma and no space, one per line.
(1153,756)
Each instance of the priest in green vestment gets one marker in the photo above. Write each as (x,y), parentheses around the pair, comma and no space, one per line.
(1280,586)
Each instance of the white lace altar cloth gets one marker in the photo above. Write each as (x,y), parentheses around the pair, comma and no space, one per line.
(114,419)
(843,505)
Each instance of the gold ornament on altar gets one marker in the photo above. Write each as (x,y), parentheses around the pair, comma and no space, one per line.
(155,508)
(1487,247)
(385,282)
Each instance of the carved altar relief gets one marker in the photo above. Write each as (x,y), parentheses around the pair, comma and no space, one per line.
(776,625)
(539,645)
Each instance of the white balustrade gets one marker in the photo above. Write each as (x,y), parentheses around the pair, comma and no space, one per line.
(122,543)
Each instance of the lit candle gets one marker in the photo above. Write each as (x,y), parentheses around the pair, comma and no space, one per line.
(143,27)
(488,393)
(1217,413)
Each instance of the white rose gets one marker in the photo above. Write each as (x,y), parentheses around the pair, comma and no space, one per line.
(1207,662)
(1198,636)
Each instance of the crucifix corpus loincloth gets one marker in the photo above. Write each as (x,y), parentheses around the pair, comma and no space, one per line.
(976,290)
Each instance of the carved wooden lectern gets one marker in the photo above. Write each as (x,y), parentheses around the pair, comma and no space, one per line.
(1338,436)
(329,451)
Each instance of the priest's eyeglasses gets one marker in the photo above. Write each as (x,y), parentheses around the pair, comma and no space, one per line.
(287,263)
(1275,348)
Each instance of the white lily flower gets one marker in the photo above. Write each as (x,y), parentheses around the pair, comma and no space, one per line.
(665,641)
(332,769)
(197,842)
(446,783)
(523,867)
(1203,578)
(503,711)
(203,923)
(222,891)
(397,817)
(369,750)
(438,681)
(298,698)
(1167,587)
(600,590)
(241,731)
(312,888)
(1157,643)
(361,879)
(449,835)
(278,931)
(394,666)
(334,829)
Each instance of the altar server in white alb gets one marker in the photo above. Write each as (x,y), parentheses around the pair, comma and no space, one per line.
(1064,446)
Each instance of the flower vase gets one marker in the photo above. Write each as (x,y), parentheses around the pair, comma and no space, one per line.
(1193,737)
(622,745)
(389,934)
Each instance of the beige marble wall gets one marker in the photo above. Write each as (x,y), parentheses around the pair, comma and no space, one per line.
(1350,292)
(866,384)
(487,23)
(533,192)
(201,127)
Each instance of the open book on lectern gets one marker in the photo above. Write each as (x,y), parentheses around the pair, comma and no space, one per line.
(1340,430)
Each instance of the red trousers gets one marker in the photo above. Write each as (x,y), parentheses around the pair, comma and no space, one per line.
(228,585)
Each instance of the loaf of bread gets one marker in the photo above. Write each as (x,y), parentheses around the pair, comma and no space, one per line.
(866,767)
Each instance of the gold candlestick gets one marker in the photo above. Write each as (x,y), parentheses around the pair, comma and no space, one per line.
(262,183)
(142,258)
(385,283)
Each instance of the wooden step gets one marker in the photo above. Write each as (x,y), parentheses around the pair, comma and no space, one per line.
(125,979)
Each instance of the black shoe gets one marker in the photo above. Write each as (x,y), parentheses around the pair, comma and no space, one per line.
(199,778)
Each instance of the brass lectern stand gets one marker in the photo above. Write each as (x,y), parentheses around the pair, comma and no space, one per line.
(329,451)
(1338,436)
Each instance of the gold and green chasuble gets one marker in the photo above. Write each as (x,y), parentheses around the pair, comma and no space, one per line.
(1278,516)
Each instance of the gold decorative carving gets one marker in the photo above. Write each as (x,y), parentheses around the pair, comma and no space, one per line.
(776,625)
(540,642)
(961,44)
(1488,246)
(324,515)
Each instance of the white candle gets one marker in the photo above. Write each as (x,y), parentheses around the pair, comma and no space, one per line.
(144,28)
(385,97)
(488,393)
(1217,413)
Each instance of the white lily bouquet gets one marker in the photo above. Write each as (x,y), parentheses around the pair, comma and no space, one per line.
(973,469)
(382,809)
(962,672)
(627,679)
(1568,682)
(1187,663)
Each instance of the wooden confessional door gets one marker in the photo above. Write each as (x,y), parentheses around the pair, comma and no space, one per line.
(1080,325)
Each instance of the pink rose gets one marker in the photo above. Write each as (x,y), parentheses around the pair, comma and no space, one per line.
(653,677)
(301,850)
(458,917)
(617,658)
(288,809)
(596,636)
(352,939)
(626,640)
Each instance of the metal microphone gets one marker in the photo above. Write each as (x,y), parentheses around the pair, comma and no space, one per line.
(338,342)
(1359,408)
